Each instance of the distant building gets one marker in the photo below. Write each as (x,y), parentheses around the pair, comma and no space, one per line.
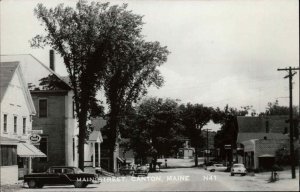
(92,149)
(17,110)
(105,158)
(259,138)
(186,152)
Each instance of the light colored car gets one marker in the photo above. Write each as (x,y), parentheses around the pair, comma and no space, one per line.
(216,167)
(238,169)
(141,170)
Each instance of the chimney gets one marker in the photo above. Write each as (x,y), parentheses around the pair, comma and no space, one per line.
(52,64)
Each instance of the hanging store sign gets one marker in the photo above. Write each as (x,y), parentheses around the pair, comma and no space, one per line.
(34,138)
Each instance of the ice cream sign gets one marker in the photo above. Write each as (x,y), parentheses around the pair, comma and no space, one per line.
(34,136)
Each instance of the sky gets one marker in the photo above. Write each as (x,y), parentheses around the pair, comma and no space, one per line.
(222,51)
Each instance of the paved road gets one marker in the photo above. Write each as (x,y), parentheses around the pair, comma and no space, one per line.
(183,179)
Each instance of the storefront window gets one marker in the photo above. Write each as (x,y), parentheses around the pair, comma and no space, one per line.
(8,155)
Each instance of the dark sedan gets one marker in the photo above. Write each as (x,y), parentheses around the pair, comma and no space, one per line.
(60,175)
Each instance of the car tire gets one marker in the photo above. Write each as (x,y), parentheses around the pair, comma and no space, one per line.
(31,183)
(84,185)
(212,170)
(243,174)
(231,174)
(78,184)
(40,185)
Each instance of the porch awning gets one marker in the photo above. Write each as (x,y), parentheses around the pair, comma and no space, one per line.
(28,150)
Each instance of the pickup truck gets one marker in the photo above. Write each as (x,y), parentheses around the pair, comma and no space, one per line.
(61,175)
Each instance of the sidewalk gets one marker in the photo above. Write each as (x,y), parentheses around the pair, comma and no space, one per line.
(285,182)
(12,187)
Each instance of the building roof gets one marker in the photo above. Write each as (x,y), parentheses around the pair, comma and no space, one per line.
(98,123)
(248,124)
(31,65)
(248,136)
(96,136)
(7,71)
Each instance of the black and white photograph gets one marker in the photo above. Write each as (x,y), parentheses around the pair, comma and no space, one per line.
(149,95)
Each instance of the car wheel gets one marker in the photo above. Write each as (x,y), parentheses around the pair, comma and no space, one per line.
(78,184)
(31,183)
(40,185)
(84,185)
(231,174)
(243,174)
(212,170)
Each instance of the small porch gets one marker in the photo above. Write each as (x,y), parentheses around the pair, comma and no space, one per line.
(93,150)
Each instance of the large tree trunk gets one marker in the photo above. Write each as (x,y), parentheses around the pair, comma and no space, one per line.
(112,134)
(82,119)
(196,158)
(81,142)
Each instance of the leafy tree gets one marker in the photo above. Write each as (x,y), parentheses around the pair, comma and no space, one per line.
(154,130)
(194,118)
(276,109)
(52,82)
(133,67)
(84,36)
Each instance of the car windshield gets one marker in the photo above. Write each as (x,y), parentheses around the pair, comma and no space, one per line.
(77,170)
(218,165)
(238,165)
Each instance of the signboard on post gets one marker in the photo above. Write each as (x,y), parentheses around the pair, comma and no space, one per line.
(34,139)
(34,136)
(227,146)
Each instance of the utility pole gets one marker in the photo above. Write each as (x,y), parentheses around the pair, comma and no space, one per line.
(291,119)
(207,146)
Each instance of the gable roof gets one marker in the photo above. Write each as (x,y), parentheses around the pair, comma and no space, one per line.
(31,65)
(248,124)
(96,136)
(7,72)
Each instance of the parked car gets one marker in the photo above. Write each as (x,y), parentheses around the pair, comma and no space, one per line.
(208,164)
(61,175)
(216,167)
(126,170)
(238,169)
(141,170)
